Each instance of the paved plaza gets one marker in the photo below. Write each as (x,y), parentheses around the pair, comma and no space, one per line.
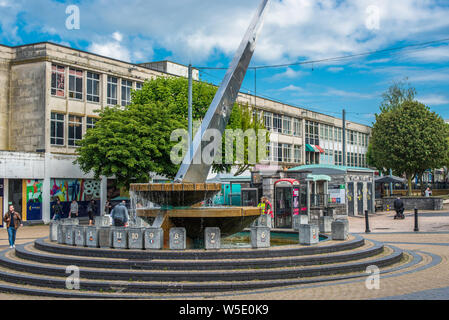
(426,277)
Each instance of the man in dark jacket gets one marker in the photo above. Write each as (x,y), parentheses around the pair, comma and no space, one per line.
(57,209)
(13,222)
(120,215)
(399,207)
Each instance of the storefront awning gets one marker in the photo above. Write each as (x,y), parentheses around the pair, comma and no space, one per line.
(321,150)
(309,148)
(313,148)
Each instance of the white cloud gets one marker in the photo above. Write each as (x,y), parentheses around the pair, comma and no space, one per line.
(117,36)
(113,49)
(433,99)
(289,74)
(199,30)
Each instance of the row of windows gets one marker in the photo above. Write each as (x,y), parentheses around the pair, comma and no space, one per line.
(357,138)
(76,83)
(74,125)
(356,159)
(330,133)
(282,124)
(282,152)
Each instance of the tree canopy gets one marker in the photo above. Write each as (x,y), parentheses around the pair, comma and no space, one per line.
(133,141)
(408,138)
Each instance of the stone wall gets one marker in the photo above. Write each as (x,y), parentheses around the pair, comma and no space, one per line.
(27,125)
(410,203)
(5,60)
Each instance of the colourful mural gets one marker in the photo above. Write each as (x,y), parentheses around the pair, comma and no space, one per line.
(80,190)
(68,190)
(33,189)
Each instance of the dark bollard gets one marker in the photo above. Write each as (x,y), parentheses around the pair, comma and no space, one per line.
(416,221)
(367,222)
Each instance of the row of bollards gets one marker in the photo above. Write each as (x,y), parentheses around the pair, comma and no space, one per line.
(367,228)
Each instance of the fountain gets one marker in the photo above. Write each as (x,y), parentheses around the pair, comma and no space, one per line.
(179,204)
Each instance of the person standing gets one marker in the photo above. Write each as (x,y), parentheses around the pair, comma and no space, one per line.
(73,209)
(107,208)
(91,211)
(399,207)
(428,192)
(57,209)
(267,208)
(120,215)
(13,222)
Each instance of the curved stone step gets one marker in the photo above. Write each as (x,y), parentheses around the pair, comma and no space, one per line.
(289,251)
(267,263)
(126,288)
(203,276)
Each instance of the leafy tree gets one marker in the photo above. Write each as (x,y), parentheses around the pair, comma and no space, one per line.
(242,118)
(133,141)
(410,139)
(398,93)
(130,143)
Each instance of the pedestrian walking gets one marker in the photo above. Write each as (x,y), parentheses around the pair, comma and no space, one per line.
(91,211)
(73,209)
(57,209)
(13,222)
(120,215)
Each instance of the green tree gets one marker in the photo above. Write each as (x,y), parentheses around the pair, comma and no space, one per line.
(396,94)
(410,139)
(133,141)
(130,143)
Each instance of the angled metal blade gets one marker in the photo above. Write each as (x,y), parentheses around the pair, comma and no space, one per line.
(194,169)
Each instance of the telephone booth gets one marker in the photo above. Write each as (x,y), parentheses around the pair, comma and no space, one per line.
(290,198)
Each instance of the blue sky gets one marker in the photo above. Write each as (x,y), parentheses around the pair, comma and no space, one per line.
(207,33)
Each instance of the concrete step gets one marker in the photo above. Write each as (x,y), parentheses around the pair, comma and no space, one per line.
(33,254)
(22,282)
(9,260)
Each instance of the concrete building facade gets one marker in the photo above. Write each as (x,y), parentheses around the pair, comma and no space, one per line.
(50,96)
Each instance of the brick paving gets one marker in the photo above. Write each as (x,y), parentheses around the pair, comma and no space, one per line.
(429,279)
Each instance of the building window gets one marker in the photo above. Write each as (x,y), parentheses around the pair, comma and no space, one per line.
(90,123)
(297,154)
(277,123)
(75,84)
(139,85)
(297,128)
(287,125)
(75,130)
(112,91)
(57,81)
(268,120)
(312,133)
(93,87)
(57,129)
(287,153)
(126,92)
